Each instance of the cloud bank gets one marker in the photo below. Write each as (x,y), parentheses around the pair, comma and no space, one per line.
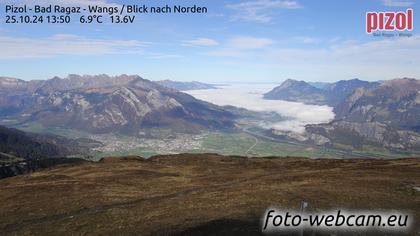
(251,97)
(201,42)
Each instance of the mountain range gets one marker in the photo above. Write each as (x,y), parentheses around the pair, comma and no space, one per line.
(394,102)
(381,114)
(385,114)
(319,94)
(104,103)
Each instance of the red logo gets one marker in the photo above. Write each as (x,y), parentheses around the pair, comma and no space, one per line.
(389,21)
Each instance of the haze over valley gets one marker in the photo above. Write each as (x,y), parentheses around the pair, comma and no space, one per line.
(251,96)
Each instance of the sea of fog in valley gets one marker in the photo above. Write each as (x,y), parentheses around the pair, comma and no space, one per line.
(250,96)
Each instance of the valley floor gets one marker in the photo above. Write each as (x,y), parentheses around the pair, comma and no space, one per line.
(197,194)
(245,141)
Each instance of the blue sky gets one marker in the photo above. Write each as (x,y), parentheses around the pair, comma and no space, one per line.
(236,41)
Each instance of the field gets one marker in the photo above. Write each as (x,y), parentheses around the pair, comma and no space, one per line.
(201,194)
(244,142)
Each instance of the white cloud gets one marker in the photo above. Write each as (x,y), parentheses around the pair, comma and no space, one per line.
(334,39)
(376,59)
(250,97)
(380,51)
(64,44)
(241,47)
(394,3)
(164,56)
(380,59)
(201,42)
(250,42)
(227,52)
(306,40)
(260,10)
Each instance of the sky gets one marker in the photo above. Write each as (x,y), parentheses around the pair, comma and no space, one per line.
(248,41)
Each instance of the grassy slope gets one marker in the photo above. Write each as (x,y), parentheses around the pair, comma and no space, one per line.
(177,193)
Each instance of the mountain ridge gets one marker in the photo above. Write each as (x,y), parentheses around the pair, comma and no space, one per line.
(394,102)
(20,145)
(104,103)
(328,94)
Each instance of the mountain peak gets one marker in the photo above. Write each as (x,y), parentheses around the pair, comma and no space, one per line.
(291,82)
(402,82)
(299,91)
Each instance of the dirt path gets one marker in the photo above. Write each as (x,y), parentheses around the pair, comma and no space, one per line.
(250,148)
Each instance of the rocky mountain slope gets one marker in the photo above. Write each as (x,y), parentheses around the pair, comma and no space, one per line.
(395,103)
(103,103)
(360,134)
(17,86)
(387,115)
(339,91)
(327,94)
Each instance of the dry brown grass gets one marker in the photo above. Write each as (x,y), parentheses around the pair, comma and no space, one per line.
(168,194)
